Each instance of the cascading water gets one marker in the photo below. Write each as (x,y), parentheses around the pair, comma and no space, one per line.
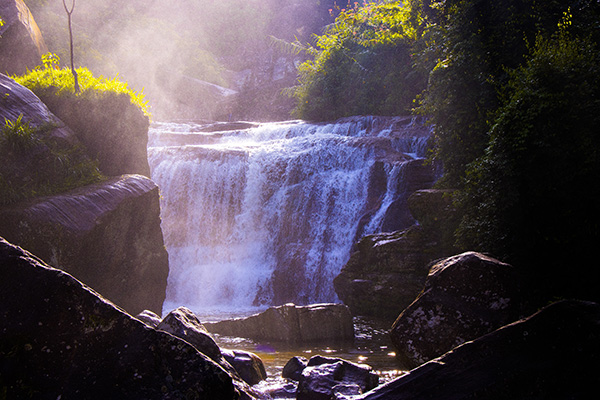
(268,214)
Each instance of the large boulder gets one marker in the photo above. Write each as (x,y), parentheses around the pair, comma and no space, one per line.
(107,235)
(248,365)
(60,339)
(21,43)
(465,296)
(292,324)
(553,354)
(184,324)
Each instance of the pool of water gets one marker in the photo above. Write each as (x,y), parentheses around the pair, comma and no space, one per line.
(371,346)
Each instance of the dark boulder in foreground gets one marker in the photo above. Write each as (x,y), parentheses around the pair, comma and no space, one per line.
(292,324)
(184,324)
(554,354)
(465,296)
(107,235)
(60,339)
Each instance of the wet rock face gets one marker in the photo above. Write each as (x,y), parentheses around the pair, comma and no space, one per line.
(550,355)
(22,44)
(107,235)
(386,273)
(465,296)
(60,339)
(292,324)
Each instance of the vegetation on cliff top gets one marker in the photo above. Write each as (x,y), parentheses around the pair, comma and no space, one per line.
(361,65)
(51,80)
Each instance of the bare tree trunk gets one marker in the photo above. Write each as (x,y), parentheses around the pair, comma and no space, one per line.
(69,12)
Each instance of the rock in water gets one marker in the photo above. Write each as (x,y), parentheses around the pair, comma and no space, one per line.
(324,376)
(292,324)
(554,354)
(60,339)
(248,365)
(465,296)
(22,44)
(107,235)
(182,323)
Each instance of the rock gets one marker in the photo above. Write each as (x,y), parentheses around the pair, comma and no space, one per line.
(431,206)
(113,130)
(185,325)
(16,100)
(22,44)
(323,377)
(107,235)
(60,339)
(386,273)
(149,318)
(292,324)
(182,323)
(465,296)
(550,355)
(248,365)
(293,368)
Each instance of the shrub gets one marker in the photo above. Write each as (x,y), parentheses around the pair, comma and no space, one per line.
(47,81)
(34,164)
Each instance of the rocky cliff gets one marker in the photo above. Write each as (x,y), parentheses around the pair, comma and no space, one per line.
(388,270)
(108,233)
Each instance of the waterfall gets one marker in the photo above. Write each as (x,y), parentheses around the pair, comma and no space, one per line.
(268,213)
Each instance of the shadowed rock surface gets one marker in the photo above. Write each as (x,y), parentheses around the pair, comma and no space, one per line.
(292,324)
(388,270)
(22,44)
(60,339)
(107,235)
(465,296)
(553,354)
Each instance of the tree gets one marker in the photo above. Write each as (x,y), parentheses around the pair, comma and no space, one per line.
(69,12)
(361,65)
(532,198)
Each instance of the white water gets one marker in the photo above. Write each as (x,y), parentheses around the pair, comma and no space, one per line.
(269,214)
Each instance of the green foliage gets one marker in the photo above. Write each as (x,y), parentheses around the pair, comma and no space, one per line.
(33,164)
(60,82)
(17,136)
(532,198)
(361,65)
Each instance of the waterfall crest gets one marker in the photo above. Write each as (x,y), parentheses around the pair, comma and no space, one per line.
(269,214)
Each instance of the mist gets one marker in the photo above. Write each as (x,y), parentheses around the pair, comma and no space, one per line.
(204,59)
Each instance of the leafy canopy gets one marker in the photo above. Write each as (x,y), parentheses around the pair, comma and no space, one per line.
(360,65)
